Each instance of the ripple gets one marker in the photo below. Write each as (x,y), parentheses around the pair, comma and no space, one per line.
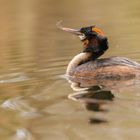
(13,78)
(20,105)
(23,134)
(54,68)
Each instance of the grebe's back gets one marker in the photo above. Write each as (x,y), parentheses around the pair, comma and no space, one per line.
(113,68)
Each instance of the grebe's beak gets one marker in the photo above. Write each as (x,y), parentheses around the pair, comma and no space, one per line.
(73,31)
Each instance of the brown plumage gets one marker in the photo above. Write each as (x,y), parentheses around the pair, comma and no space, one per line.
(113,68)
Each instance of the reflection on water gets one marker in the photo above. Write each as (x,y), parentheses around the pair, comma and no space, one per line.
(34,56)
(95,98)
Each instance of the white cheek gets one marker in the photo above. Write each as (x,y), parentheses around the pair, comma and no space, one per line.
(82,37)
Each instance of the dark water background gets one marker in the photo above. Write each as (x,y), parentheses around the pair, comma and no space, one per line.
(34,55)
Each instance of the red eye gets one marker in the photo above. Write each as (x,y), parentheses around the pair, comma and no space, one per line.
(85,43)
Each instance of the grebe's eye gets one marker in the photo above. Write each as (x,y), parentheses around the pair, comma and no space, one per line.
(82,37)
(86,42)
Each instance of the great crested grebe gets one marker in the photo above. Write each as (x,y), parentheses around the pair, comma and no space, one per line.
(86,65)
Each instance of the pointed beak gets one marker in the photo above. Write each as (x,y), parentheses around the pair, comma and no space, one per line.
(73,31)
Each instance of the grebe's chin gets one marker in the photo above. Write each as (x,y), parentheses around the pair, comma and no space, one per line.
(86,65)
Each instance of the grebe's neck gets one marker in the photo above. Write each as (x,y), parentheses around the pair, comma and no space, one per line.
(78,59)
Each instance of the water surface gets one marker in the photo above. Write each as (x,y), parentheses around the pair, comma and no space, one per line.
(34,56)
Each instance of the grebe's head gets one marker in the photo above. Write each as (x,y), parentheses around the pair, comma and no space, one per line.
(93,38)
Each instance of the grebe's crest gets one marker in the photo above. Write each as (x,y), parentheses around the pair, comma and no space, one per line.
(98,31)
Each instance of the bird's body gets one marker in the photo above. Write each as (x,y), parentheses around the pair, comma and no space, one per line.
(112,68)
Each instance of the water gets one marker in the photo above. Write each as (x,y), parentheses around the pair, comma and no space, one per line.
(34,54)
